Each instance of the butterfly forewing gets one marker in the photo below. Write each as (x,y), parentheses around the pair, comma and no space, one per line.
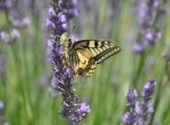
(100,50)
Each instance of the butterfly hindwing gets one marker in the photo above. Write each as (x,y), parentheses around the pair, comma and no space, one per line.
(84,63)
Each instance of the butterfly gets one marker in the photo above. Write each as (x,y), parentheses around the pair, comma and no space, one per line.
(83,56)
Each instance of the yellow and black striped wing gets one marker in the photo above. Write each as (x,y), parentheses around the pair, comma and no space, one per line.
(85,54)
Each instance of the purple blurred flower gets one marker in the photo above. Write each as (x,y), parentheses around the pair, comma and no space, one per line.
(130,117)
(138,108)
(62,18)
(1,107)
(138,48)
(143,16)
(14,22)
(139,112)
(4,37)
(146,104)
(51,12)
(60,12)
(81,111)
(5,6)
(15,34)
(131,95)
(72,8)
(148,26)
(156,3)
(83,108)
(151,37)
(49,24)
(148,89)
(25,22)
(2,119)
(17,23)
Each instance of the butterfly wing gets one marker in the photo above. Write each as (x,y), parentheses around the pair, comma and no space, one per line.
(85,54)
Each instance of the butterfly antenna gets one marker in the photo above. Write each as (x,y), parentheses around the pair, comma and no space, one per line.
(74,27)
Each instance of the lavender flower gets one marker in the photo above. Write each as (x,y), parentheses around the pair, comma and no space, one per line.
(146,104)
(139,112)
(10,38)
(19,23)
(25,22)
(148,28)
(130,117)
(71,7)
(59,14)
(131,95)
(1,107)
(4,37)
(5,6)
(138,48)
(148,89)
(83,108)
(2,119)
(15,34)
(14,22)
(80,112)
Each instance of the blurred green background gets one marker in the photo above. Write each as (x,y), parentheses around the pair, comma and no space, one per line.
(25,73)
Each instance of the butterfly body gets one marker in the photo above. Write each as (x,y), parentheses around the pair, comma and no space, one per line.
(84,55)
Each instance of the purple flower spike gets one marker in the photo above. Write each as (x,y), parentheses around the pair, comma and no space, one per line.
(83,109)
(15,34)
(147,32)
(142,16)
(62,18)
(59,14)
(131,95)
(69,72)
(150,36)
(25,22)
(4,37)
(51,12)
(5,5)
(139,112)
(138,48)
(11,10)
(148,89)
(1,107)
(49,24)
(2,114)
(128,119)
(59,52)
(156,3)
(138,108)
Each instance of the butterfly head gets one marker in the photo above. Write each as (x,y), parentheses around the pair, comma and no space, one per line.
(65,40)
